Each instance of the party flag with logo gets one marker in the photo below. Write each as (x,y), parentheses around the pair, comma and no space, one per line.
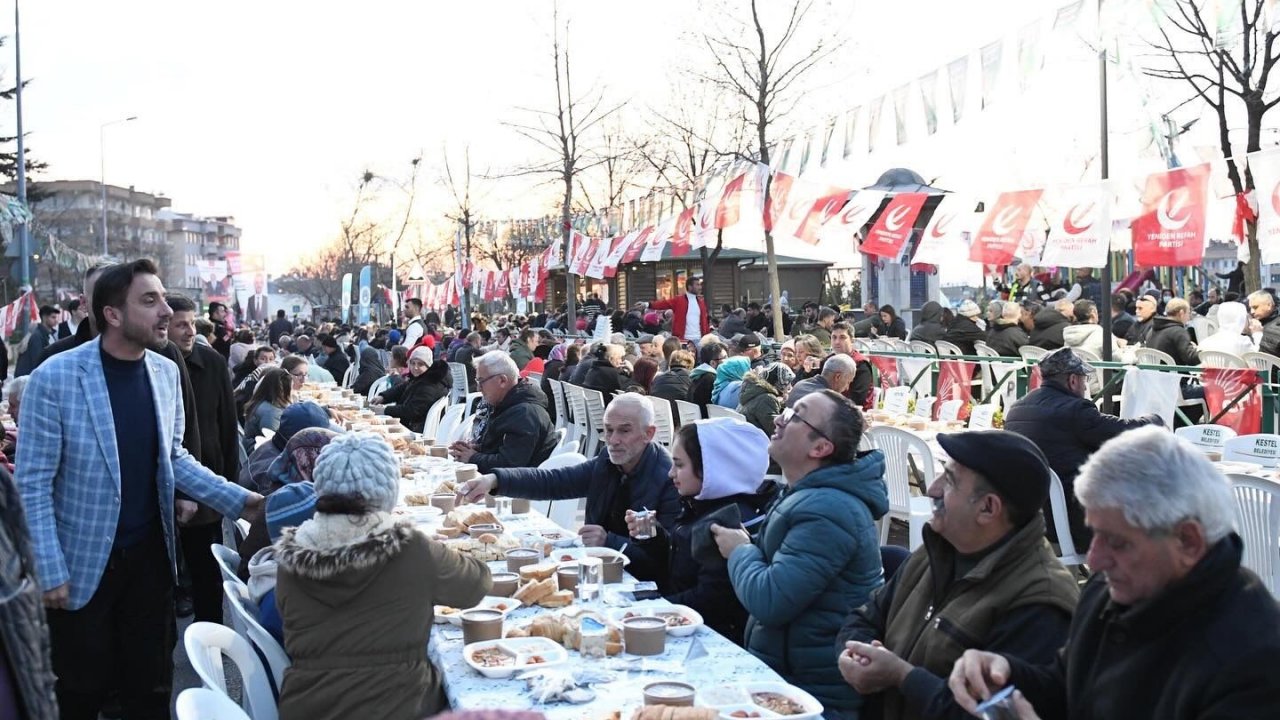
(1170,231)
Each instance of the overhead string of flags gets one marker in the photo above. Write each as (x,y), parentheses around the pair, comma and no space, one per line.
(1168,224)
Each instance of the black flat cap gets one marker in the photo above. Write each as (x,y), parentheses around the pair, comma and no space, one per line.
(1012,464)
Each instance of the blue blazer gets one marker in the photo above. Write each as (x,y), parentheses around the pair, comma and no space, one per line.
(68,467)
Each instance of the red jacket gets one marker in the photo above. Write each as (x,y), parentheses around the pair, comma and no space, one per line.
(679,307)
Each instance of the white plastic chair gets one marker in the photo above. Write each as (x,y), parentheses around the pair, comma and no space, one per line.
(898,446)
(594,402)
(1258,520)
(458,373)
(718,411)
(921,347)
(562,460)
(1221,359)
(562,408)
(379,386)
(205,704)
(1262,361)
(665,434)
(1206,438)
(946,348)
(1262,448)
(578,408)
(472,402)
(563,512)
(241,602)
(228,562)
(1152,356)
(1032,352)
(449,424)
(349,375)
(1067,553)
(431,424)
(207,643)
(688,412)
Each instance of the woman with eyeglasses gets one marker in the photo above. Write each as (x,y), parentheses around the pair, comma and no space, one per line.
(271,396)
(428,382)
(298,369)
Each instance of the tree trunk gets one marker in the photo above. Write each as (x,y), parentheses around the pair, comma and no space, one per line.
(1253,275)
(775,289)
(570,284)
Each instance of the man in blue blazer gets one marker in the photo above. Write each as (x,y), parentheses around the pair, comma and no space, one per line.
(100,458)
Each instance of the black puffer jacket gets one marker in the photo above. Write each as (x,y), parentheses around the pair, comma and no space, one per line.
(24,634)
(1006,339)
(518,433)
(963,333)
(705,588)
(930,328)
(604,377)
(671,385)
(1068,429)
(1270,342)
(416,396)
(1170,336)
(1049,326)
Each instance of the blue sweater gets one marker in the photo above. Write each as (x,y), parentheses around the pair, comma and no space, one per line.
(134,412)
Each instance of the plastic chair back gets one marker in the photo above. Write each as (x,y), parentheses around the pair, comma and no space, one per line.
(1221,359)
(562,460)
(594,402)
(241,602)
(1206,438)
(718,411)
(1067,552)
(1258,522)
(1032,352)
(207,643)
(921,347)
(205,704)
(1262,361)
(378,387)
(946,348)
(662,420)
(472,402)
(688,412)
(432,422)
(458,373)
(449,424)
(228,562)
(1151,356)
(898,446)
(562,408)
(1262,448)
(349,375)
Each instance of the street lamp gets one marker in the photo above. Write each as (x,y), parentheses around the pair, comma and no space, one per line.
(102,168)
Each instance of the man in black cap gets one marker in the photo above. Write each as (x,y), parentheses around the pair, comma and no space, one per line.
(984,577)
(747,345)
(1145,308)
(1061,420)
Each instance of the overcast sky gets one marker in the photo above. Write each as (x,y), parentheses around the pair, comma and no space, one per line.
(270,111)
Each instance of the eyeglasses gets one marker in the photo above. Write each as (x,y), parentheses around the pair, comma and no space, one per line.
(790,414)
(300,376)
(481,381)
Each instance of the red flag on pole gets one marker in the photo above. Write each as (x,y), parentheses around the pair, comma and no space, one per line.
(889,234)
(1170,231)
(998,239)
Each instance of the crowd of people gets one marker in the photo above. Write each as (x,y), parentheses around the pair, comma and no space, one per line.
(149,422)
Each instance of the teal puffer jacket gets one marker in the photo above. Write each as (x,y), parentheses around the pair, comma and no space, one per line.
(816,557)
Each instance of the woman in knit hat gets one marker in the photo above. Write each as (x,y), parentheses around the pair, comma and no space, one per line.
(428,382)
(356,587)
(764,393)
(715,464)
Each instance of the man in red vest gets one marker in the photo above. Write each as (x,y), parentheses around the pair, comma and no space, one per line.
(689,312)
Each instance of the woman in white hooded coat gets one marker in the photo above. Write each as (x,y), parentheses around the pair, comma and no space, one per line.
(1231,337)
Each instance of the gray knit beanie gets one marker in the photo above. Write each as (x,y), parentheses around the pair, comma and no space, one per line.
(361,464)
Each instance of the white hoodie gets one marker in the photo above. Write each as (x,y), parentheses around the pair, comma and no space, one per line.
(1230,337)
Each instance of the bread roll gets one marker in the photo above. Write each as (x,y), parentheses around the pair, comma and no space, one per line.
(557,599)
(532,592)
(539,571)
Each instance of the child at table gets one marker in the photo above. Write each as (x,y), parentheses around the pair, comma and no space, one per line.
(715,463)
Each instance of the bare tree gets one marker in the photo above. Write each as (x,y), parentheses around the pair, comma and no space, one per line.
(463,213)
(565,132)
(764,68)
(1227,61)
(685,145)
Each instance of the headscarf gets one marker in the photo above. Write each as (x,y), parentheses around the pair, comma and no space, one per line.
(779,376)
(298,460)
(730,370)
(558,352)
(371,362)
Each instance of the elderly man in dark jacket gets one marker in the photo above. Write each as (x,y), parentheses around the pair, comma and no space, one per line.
(1008,336)
(985,572)
(1170,626)
(964,331)
(514,428)
(1059,418)
(631,472)
(1169,334)
(1050,322)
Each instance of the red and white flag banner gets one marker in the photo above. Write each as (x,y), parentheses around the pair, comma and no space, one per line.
(681,235)
(805,207)
(617,248)
(949,222)
(584,248)
(842,228)
(658,240)
(599,256)
(889,235)
(704,226)
(1222,386)
(955,379)
(779,196)
(1080,227)
(1265,168)
(888,369)
(1170,231)
(742,196)
(1000,235)
(636,244)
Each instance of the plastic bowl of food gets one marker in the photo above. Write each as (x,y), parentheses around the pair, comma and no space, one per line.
(504,658)
(783,700)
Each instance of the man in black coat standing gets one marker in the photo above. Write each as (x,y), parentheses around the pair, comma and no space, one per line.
(215,413)
(1067,427)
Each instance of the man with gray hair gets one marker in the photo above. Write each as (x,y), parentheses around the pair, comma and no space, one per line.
(631,472)
(512,425)
(1171,626)
(837,374)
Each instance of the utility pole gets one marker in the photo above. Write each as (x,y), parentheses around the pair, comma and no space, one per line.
(24,234)
(1104,313)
